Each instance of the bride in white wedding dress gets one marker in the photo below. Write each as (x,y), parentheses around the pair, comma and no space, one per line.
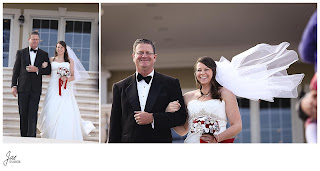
(60,117)
(210,100)
(258,73)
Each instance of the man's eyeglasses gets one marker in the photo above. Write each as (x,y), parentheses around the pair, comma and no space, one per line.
(140,53)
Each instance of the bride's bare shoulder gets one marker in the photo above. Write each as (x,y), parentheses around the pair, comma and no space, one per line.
(225,93)
(51,59)
(190,95)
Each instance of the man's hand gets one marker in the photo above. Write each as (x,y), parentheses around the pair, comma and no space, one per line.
(44,64)
(14,91)
(173,106)
(143,118)
(32,68)
(309,104)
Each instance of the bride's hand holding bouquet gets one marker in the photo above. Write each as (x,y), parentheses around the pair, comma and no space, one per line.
(208,138)
(64,75)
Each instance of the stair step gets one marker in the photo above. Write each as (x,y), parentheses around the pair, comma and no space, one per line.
(17,127)
(82,109)
(94,106)
(93,139)
(80,90)
(15,130)
(7,84)
(16,122)
(92,74)
(84,103)
(15,114)
(45,80)
(81,103)
(8,70)
(88,97)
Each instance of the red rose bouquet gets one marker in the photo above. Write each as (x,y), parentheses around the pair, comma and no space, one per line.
(207,125)
(63,72)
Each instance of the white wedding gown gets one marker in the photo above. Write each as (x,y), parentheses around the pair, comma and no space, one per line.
(60,117)
(213,108)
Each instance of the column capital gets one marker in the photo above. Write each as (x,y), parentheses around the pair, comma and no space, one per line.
(105,74)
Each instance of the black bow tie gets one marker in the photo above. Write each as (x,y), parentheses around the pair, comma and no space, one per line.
(147,79)
(34,50)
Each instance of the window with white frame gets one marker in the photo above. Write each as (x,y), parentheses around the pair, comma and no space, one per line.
(78,36)
(11,35)
(275,121)
(6,41)
(48,32)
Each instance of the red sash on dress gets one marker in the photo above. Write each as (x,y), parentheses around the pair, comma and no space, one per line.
(61,84)
(231,140)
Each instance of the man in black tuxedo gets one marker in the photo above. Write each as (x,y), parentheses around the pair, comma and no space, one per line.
(27,83)
(139,101)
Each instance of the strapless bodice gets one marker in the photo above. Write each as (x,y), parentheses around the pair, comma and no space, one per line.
(55,76)
(213,108)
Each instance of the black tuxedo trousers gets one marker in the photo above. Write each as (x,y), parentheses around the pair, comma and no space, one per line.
(28,110)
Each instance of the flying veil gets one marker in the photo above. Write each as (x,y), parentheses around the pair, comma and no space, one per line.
(260,73)
(80,73)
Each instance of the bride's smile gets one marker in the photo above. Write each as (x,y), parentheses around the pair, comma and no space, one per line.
(203,73)
(60,49)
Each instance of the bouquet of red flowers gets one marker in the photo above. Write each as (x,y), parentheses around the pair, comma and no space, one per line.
(64,72)
(207,125)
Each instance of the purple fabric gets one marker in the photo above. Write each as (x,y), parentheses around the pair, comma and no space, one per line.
(308,44)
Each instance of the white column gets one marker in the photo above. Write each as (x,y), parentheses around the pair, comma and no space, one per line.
(255,121)
(296,123)
(27,28)
(62,24)
(61,29)
(105,75)
(94,45)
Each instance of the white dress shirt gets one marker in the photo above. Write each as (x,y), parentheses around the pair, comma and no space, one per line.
(32,55)
(143,92)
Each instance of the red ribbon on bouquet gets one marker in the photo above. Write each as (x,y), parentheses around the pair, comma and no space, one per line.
(61,84)
(63,72)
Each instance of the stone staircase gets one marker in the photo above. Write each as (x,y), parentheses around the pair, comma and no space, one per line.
(87,97)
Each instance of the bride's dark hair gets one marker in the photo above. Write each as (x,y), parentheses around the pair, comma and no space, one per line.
(214,90)
(65,56)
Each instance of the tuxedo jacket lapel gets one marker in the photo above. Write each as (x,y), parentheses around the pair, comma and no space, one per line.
(26,55)
(36,61)
(132,93)
(154,91)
